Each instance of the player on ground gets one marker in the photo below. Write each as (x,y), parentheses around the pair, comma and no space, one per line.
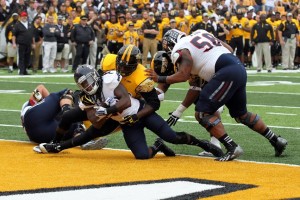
(212,60)
(105,102)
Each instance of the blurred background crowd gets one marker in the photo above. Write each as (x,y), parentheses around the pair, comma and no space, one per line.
(66,33)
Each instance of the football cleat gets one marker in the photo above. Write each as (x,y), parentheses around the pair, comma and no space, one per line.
(205,154)
(279,146)
(211,148)
(49,148)
(159,144)
(37,149)
(96,144)
(231,154)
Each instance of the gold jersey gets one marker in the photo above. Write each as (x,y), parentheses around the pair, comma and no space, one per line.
(131,37)
(136,82)
(111,31)
(123,29)
(236,32)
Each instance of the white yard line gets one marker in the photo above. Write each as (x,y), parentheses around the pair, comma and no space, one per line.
(126,150)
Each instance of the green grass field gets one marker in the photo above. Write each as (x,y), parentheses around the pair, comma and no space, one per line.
(275,97)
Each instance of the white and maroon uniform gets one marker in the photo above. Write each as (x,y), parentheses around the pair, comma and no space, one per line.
(205,50)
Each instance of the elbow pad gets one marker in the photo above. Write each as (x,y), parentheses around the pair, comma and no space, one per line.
(151,99)
(161,95)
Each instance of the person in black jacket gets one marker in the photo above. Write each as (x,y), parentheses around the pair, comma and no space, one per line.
(262,42)
(23,36)
(205,24)
(82,36)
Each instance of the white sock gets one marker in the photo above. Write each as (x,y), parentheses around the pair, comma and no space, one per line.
(215,141)
(11,67)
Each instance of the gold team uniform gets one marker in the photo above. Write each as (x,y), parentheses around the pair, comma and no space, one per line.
(134,83)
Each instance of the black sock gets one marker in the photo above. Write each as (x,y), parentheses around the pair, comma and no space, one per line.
(80,139)
(227,141)
(60,133)
(270,135)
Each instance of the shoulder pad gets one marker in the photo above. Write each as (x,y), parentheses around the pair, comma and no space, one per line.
(146,86)
(111,80)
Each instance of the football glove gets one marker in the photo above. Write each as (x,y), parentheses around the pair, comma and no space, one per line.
(100,111)
(130,120)
(110,101)
(37,95)
(174,116)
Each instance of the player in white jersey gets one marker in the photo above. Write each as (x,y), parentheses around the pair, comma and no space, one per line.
(211,59)
(106,103)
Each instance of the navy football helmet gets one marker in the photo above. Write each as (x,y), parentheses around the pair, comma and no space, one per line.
(88,79)
(162,64)
(170,38)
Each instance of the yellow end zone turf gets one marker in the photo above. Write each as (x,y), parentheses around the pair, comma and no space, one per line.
(22,169)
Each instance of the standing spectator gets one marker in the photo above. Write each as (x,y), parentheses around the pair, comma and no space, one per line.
(50,32)
(93,47)
(248,48)
(111,34)
(11,51)
(172,26)
(121,29)
(70,26)
(63,11)
(63,48)
(205,25)
(101,37)
(4,11)
(150,29)
(288,35)
(38,38)
(262,42)
(82,36)
(239,25)
(131,36)
(23,36)
(18,6)
(222,30)
(31,11)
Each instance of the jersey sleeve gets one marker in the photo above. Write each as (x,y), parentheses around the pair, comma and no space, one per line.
(146,86)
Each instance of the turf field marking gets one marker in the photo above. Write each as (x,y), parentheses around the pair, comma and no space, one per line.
(272,113)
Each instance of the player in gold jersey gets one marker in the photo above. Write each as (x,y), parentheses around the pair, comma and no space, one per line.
(141,87)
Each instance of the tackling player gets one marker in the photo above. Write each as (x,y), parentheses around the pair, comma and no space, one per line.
(163,66)
(211,59)
(141,87)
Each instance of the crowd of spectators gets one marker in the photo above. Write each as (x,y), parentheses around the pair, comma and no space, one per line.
(85,30)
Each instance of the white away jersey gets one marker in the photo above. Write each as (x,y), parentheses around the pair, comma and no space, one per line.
(205,50)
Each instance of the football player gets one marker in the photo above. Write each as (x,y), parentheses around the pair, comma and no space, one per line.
(105,103)
(163,66)
(141,87)
(40,116)
(211,59)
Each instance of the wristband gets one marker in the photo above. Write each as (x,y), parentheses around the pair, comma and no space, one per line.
(162,79)
(181,108)
(111,110)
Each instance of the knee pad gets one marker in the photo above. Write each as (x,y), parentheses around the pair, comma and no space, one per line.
(208,121)
(247,120)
